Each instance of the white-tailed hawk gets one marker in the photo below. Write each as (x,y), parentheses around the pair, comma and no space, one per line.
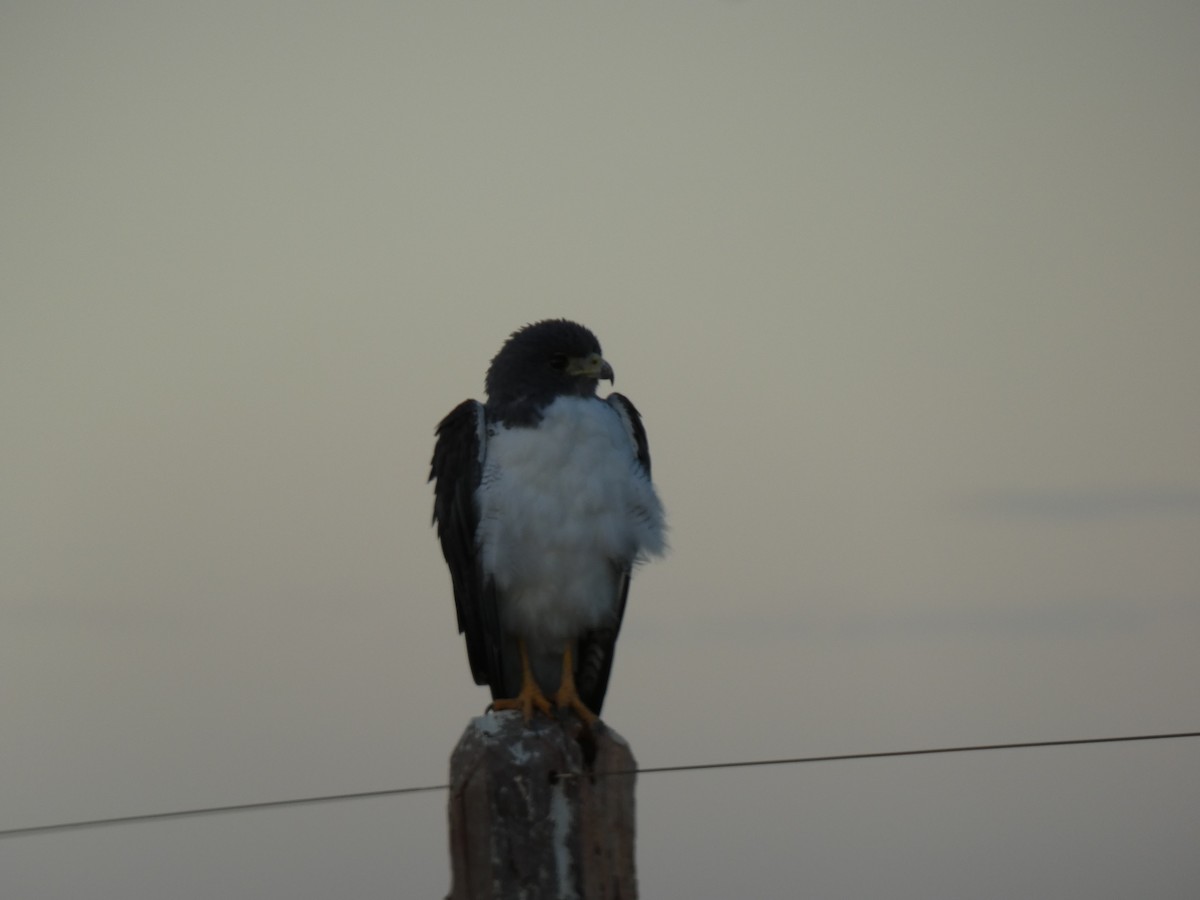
(543,504)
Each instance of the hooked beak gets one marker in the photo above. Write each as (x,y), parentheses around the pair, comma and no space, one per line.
(592,366)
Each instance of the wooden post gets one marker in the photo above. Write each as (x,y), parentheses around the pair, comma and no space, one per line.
(534,816)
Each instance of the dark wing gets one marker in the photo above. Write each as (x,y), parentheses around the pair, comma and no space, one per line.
(456,471)
(633,424)
(596,648)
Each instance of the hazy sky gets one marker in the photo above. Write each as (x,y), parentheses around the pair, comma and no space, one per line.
(906,292)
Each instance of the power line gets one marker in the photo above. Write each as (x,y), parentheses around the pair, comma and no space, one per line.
(213,810)
(649,770)
(886,753)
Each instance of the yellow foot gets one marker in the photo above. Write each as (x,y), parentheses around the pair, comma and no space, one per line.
(525,701)
(567,696)
(568,699)
(530,695)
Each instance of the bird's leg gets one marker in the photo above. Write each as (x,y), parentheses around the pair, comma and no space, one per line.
(530,696)
(567,696)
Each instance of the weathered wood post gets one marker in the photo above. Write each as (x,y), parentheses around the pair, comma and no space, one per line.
(535,813)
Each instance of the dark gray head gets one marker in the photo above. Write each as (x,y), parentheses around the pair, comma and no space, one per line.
(540,362)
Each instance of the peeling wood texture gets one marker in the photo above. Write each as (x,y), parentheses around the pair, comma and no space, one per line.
(532,818)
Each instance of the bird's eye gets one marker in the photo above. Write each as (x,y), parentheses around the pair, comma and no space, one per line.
(558,361)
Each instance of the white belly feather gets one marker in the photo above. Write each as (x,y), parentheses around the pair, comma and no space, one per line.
(564,508)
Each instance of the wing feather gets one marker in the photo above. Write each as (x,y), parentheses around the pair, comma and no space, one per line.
(456,471)
(597,648)
(633,424)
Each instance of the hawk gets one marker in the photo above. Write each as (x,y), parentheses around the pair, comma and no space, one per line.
(543,505)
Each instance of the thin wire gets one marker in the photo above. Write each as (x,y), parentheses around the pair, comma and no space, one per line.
(927,752)
(213,810)
(649,770)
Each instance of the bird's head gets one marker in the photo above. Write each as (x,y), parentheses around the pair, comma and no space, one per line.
(545,360)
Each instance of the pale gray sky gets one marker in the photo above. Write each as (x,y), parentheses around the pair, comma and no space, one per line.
(908,296)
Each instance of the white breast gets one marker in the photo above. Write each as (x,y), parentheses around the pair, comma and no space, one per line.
(564,509)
